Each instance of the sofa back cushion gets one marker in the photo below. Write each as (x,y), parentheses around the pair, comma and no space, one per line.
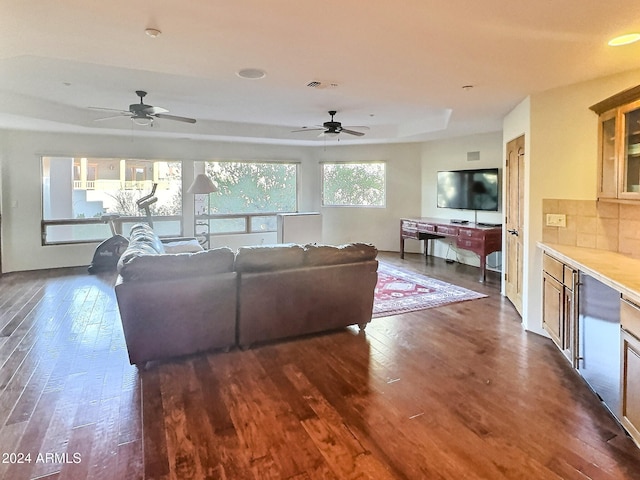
(152,267)
(264,258)
(315,255)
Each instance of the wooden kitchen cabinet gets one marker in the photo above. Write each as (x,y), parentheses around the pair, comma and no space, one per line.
(558,313)
(552,313)
(630,384)
(607,156)
(619,146)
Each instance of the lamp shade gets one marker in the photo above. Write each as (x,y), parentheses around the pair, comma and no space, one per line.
(201,185)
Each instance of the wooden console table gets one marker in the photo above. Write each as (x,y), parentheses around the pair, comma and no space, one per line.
(476,237)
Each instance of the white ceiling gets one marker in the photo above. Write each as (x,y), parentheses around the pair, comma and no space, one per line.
(399,67)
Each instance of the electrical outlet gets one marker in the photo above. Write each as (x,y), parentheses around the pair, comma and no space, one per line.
(556,220)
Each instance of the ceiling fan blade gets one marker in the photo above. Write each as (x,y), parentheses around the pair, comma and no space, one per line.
(352,132)
(122,112)
(357,127)
(176,118)
(149,110)
(111,117)
(308,130)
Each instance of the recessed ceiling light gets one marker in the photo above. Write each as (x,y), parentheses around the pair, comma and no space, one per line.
(251,73)
(624,39)
(153,32)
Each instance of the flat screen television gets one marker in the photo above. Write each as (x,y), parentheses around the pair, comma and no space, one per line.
(469,189)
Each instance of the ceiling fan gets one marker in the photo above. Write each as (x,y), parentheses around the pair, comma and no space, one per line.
(142,114)
(333,128)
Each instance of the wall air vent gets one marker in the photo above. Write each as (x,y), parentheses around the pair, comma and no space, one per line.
(314,84)
(473,156)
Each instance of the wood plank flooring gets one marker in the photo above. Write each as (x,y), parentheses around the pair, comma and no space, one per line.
(456,392)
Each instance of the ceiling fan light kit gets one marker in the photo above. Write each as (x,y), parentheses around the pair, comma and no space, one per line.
(142,121)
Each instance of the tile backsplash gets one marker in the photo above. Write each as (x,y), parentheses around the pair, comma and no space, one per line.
(594,224)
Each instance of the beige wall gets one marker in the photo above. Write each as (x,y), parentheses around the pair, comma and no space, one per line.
(561,164)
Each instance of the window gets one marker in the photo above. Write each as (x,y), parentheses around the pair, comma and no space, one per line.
(78,191)
(355,184)
(250,194)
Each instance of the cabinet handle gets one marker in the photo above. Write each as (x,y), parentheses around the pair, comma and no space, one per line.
(513,232)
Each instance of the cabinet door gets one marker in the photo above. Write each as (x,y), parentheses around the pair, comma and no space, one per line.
(629,172)
(569,326)
(631,385)
(553,307)
(608,160)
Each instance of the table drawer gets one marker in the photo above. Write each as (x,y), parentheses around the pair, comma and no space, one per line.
(467,232)
(410,233)
(427,227)
(447,230)
(469,243)
(409,224)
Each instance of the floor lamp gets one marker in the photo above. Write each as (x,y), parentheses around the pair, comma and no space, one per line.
(202,185)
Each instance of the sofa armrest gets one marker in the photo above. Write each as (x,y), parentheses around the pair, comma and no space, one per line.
(170,318)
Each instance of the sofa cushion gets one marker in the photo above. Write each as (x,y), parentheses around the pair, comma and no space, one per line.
(264,258)
(182,246)
(315,255)
(181,265)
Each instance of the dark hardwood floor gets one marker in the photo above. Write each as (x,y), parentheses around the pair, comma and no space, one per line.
(456,392)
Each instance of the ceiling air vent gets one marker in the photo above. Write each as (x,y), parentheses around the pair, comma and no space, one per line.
(321,85)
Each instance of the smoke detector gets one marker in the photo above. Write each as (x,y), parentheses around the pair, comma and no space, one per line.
(152,32)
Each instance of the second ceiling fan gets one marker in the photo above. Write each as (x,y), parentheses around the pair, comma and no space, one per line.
(333,128)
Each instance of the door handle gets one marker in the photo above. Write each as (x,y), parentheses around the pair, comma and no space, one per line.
(513,232)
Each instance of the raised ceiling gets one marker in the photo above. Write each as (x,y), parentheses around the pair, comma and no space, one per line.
(397,67)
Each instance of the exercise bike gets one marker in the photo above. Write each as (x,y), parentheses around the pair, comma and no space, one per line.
(107,254)
(109,251)
(145,202)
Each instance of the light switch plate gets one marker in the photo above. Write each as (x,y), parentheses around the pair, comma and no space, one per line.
(556,220)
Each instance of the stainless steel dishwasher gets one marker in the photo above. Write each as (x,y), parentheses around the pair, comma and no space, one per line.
(599,340)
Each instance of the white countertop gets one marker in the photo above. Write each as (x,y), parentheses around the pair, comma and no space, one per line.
(614,269)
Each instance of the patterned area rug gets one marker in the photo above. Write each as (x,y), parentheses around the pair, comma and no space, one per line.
(399,291)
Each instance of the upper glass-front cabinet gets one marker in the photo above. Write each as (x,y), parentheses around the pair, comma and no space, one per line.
(608,161)
(630,154)
(619,146)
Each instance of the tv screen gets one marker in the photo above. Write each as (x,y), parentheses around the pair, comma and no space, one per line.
(469,189)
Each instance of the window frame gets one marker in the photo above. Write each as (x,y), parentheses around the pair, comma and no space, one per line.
(46,224)
(247,217)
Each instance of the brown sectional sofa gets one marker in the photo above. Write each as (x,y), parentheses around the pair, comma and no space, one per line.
(179,304)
